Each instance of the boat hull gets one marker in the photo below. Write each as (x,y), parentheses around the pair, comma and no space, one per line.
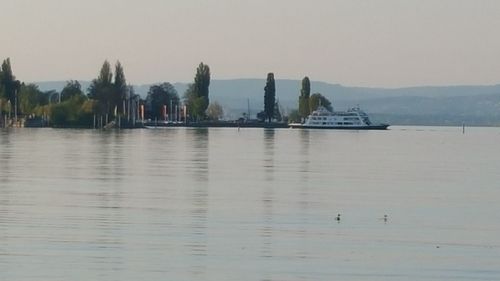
(371,127)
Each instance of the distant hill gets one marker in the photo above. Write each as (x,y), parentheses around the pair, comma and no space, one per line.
(443,105)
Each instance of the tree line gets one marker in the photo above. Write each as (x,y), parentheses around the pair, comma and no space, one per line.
(109,98)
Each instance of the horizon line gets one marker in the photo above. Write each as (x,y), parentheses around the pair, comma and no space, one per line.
(290,79)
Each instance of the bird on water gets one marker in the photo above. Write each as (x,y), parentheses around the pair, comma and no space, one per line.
(338,218)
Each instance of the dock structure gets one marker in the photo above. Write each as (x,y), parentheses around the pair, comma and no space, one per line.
(227,124)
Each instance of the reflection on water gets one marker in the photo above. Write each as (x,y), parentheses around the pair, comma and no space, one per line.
(108,163)
(303,201)
(6,154)
(226,204)
(269,153)
(197,242)
(267,228)
(199,137)
(305,143)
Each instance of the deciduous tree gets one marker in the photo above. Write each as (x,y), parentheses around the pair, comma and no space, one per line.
(215,111)
(160,96)
(72,89)
(30,97)
(318,99)
(294,116)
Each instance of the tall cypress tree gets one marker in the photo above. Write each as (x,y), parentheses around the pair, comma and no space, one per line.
(101,89)
(2,95)
(269,97)
(305,93)
(202,84)
(105,75)
(120,88)
(1,85)
(8,83)
(196,96)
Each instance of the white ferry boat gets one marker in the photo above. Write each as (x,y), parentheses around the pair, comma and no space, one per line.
(352,119)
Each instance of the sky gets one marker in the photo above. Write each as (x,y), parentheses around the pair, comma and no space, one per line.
(373,43)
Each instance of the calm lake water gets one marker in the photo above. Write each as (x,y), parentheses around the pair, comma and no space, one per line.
(255,204)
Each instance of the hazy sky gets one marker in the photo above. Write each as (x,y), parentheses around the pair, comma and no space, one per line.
(386,43)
